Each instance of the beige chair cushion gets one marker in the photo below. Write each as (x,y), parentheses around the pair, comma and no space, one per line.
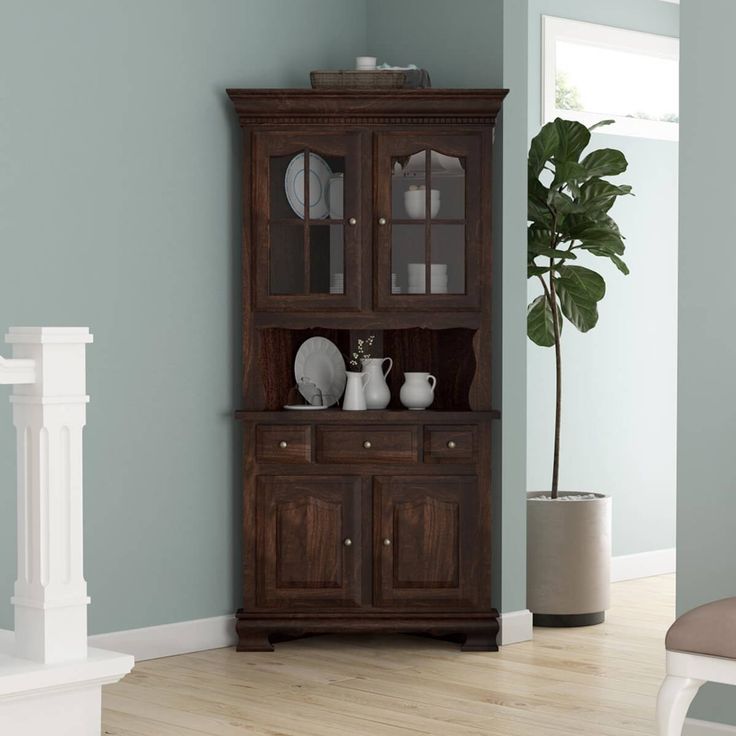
(708,629)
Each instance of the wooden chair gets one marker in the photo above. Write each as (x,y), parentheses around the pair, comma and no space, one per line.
(701,647)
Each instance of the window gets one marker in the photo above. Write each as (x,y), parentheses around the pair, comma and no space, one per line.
(592,72)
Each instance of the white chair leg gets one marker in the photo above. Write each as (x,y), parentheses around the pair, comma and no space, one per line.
(673,700)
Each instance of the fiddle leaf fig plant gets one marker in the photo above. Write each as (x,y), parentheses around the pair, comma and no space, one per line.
(569,200)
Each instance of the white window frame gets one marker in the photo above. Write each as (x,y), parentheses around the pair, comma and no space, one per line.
(592,34)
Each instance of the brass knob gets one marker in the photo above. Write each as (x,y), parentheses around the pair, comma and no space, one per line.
(367,445)
(451,444)
(348,542)
(283,444)
(381,220)
(352,221)
(387,542)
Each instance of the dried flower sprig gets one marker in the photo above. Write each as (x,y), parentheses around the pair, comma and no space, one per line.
(361,353)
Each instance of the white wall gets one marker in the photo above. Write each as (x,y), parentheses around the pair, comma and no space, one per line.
(619,380)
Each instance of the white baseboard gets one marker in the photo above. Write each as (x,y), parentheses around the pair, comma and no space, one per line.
(516,626)
(694,727)
(643,565)
(168,640)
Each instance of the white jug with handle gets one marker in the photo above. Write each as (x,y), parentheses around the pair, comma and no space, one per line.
(354,398)
(377,392)
(418,390)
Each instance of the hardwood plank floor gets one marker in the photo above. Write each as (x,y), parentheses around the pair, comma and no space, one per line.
(595,681)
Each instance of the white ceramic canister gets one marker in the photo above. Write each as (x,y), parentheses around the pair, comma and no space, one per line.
(377,392)
(418,390)
(354,397)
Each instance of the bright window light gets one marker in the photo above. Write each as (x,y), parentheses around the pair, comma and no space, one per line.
(592,72)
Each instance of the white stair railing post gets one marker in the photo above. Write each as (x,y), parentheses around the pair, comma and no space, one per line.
(50,681)
(49,414)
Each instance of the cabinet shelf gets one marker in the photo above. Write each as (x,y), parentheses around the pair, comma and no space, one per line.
(426,416)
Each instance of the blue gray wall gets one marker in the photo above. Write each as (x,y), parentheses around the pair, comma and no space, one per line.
(706,480)
(619,380)
(464,44)
(119,187)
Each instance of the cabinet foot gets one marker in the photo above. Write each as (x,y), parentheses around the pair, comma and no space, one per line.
(484,641)
(253,641)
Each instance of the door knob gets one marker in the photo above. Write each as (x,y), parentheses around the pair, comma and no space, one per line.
(283,444)
(352,221)
(381,220)
(348,542)
(387,542)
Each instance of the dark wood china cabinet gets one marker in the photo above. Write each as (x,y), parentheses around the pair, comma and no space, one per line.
(367,521)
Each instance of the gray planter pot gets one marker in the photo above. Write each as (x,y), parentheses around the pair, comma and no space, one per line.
(568,560)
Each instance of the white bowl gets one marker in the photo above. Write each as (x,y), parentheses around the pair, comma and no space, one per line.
(415,202)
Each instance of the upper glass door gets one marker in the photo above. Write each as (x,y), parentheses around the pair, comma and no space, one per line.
(307,229)
(427,221)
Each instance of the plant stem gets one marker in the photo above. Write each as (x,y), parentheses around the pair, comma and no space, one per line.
(558,383)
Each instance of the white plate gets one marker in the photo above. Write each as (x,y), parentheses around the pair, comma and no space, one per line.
(319,178)
(304,407)
(319,360)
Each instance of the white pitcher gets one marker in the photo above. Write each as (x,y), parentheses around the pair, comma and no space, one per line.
(354,397)
(418,390)
(377,392)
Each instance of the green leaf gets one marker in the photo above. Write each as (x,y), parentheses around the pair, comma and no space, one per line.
(533,270)
(580,290)
(542,148)
(598,196)
(572,138)
(604,162)
(620,265)
(562,203)
(600,123)
(569,173)
(540,323)
(537,210)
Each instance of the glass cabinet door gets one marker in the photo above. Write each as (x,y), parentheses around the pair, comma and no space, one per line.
(428,221)
(307,220)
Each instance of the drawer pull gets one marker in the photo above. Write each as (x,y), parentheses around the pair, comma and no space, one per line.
(283,444)
(367,444)
(386,542)
(451,445)
(348,542)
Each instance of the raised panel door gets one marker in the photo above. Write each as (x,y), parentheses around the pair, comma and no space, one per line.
(308,541)
(427,541)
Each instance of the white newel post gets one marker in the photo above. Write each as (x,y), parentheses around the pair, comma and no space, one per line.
(50,591)
(49,681)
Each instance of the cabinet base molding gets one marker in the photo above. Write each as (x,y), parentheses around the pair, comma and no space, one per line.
(477,632)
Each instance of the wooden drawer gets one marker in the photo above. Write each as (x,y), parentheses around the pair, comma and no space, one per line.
(450,444)
(368,444)
(283,444)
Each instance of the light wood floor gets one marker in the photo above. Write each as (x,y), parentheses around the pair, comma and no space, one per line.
(597,681)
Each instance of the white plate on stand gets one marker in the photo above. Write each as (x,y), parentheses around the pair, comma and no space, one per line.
(319,361)
(319,179)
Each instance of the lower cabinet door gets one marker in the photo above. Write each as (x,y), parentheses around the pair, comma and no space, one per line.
(308,541)
(430,542)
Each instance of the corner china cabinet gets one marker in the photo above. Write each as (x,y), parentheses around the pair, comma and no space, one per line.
(367,521)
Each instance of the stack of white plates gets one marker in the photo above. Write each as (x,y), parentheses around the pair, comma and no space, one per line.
(337,283)
(417,278)
(395,288)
